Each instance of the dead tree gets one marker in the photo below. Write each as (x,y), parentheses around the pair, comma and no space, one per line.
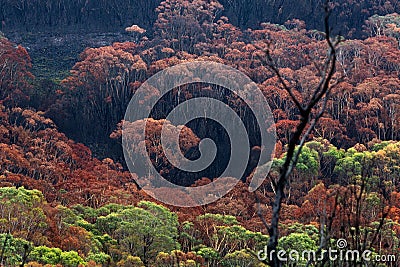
(310,112)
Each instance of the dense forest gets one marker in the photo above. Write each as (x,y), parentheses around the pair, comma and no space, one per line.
(68,15)
(68,198)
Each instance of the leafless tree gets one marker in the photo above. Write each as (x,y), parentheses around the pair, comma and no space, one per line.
(310,111)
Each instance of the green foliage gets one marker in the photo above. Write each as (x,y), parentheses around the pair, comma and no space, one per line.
(22,213)
(308,162)
(87,213)
(380,164)
(67,215)
(349,167)
(297,241)
(308,229)
(241,258)
(107,209)
(218,219)
(85,225)
(131,261)
(100,258)
(147,234)
(13,249)
(46,255)
(225,235)
(380,146)
(108,224)
(334,153)
(187,236)
(238,237)
(105,240)
(208,254)
(28,198)
(147,230)
(71,259)
(299,244)
(142,231)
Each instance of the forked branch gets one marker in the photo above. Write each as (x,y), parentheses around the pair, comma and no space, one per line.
(310,114)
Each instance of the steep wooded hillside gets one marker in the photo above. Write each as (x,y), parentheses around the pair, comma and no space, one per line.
(80,15)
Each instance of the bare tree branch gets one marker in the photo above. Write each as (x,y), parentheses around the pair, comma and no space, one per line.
(301,133)
(259,212)
(272,66)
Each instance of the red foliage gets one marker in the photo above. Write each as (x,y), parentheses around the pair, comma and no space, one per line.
(15,65)
(35,155)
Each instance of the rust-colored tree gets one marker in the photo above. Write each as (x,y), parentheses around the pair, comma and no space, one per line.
(15,65)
